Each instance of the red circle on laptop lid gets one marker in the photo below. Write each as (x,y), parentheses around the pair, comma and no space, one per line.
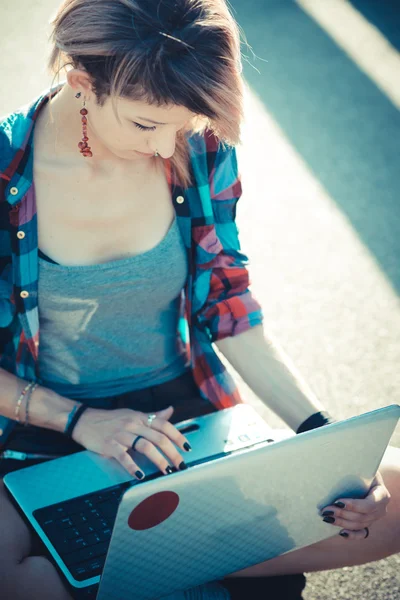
(153,510)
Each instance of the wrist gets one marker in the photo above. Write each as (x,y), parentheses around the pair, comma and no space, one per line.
(49,410)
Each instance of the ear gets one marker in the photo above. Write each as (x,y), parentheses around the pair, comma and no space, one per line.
(79,80)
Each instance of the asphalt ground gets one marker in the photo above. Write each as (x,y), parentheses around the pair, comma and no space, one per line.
(319,217)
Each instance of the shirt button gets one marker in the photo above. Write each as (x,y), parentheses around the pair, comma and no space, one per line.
(24,294)
(20,235)
(14,191)
(180,199)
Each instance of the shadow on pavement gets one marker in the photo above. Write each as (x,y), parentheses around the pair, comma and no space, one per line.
(384,14)
(342,125)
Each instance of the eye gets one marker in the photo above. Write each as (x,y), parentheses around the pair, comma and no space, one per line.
(142,127)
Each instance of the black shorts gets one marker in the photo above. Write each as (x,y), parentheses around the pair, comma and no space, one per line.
(182,393)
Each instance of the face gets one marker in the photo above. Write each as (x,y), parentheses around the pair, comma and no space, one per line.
(143,128)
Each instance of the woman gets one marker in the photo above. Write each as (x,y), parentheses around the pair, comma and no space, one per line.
(120,266)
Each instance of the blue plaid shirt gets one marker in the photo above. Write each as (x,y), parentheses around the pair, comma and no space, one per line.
(216,301)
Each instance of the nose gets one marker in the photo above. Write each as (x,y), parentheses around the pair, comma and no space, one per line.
(165,144)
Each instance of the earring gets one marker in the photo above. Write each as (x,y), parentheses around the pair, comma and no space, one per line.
(85,150)
(156,153)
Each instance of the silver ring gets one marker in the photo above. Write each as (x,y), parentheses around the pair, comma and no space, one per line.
(150,419)
(367,533)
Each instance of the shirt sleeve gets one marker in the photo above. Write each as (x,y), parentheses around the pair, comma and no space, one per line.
(230,307)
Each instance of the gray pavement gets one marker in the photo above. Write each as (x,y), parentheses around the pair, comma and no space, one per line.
(319,217)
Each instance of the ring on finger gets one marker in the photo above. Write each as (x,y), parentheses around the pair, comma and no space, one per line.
(150,419)
(139,437)
(366,532)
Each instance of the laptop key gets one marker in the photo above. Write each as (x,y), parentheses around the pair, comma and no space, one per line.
(90,568)
(108,510)
(73,533)
(85,528)
(67,546)
(92,539)
(64,523)
(105,534)
(81,556)
(56,512)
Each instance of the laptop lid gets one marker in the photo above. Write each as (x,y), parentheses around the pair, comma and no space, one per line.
(225,515)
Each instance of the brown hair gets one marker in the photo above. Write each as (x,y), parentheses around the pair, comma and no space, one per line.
(184,52)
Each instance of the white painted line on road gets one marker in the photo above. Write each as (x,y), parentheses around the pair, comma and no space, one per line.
(361,41)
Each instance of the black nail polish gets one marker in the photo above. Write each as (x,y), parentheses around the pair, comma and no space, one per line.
(328,513)
(328,519)
(169,470)
(187,446)
(339,504)
(344,534)
(183,466)
(139,474)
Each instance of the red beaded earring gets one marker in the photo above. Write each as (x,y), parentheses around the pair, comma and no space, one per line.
(85,150)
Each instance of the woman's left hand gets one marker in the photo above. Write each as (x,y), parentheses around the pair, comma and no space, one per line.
(354,516)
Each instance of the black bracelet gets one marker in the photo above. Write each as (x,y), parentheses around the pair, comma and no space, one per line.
(316,420)
(70,427)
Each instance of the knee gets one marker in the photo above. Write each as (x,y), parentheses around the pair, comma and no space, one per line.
(390,471)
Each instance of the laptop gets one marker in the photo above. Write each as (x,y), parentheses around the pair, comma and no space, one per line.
(245,498)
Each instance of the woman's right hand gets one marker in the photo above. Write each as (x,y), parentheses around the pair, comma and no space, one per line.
(112,433)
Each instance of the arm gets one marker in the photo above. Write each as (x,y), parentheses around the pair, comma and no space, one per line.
(46,408)
(270,374)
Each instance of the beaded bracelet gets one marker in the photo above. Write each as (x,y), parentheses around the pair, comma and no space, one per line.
(33,388)
(19,401)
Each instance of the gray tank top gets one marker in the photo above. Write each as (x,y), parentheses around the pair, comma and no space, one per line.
(112,328)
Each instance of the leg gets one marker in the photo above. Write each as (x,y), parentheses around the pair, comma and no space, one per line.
(24,577)
(337,552)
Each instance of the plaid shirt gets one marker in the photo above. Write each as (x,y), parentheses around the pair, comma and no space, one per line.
(216,301)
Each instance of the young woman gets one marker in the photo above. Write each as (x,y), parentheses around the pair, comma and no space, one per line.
(120,266)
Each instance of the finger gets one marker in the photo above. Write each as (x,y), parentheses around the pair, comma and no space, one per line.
(150,444)
(346,515)
(117,451)
(365,505)
(172,433)
(165,413)
(347,534)
(348,525)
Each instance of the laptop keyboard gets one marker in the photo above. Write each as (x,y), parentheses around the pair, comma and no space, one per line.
(80,529)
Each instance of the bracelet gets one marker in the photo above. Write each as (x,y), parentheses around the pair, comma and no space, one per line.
(316,420)
(73,418)
(19,401)
(33,388)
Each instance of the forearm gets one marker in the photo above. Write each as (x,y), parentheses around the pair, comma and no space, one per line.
(271,375)
(46,408)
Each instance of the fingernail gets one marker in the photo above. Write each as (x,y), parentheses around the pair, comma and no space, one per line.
(169,470)
(187,446)
(328,513)
(183,466)
(139,474)
(344,534)
(339,504)
(328,519)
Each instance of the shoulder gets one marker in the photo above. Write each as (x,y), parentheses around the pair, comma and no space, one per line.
(215,158)
(15,130)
